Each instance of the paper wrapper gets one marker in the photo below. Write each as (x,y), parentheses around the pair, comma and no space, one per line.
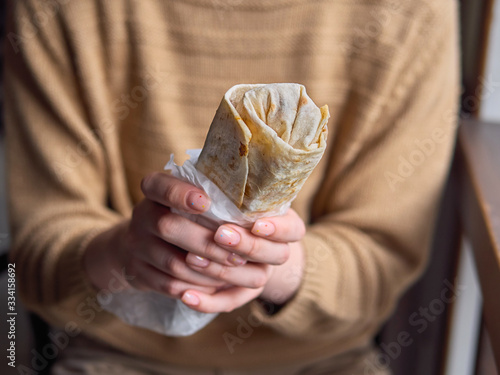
(263,143)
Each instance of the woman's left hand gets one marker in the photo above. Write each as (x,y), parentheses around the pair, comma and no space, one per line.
(268,258)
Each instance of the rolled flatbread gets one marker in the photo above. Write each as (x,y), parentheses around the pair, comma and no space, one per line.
(263,144)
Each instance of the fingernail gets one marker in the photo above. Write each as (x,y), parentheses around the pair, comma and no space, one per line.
(226,236)
(190,299)
(263,228)
(196,260)
(197,201)
(236,259)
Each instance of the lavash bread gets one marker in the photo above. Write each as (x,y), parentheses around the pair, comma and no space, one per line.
(263,143)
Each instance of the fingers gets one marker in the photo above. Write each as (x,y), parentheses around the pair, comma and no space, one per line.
(223,301)
(242,242)
(149,278)
(187,235)
(287,228)
(267,242)
(171,192)
(251,275)
(168,260)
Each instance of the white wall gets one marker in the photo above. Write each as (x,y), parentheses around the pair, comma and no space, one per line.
(466,319)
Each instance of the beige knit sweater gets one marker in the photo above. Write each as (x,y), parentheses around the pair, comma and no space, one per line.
(99,93)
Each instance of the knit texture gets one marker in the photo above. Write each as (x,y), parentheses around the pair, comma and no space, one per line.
(99,93)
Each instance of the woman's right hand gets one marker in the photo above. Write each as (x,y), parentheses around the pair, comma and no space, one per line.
(148,251)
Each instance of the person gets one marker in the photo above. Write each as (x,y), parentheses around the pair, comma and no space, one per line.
(100,93)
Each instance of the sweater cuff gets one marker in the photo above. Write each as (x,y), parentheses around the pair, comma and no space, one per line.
(71,265)
(299,314)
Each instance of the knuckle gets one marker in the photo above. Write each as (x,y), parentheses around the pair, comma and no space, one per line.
(162,225)
(254,247)
(259,280)
(176,267)
(301,230)
(222,273)
(220,284)
(211,249)
(171,264)
(297,229)
(284,254)
(166,226)
(146,182)
(173,288)
(172,193)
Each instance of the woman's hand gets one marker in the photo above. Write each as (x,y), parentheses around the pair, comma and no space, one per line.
(150,248)
(273,271)
(165,252)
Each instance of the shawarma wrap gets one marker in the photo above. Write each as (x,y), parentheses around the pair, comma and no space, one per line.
(263,144)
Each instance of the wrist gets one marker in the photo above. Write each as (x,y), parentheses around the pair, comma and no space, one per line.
(103,255)
(286,278)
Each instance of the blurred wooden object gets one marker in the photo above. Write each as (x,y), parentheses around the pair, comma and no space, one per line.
(475,21)
(427,353)
(485,364)
(479,157)
(476,18)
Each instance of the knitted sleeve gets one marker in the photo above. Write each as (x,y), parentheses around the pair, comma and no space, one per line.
(374,214)
(57,170)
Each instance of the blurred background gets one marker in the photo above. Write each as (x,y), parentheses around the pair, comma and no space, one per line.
(464,338)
